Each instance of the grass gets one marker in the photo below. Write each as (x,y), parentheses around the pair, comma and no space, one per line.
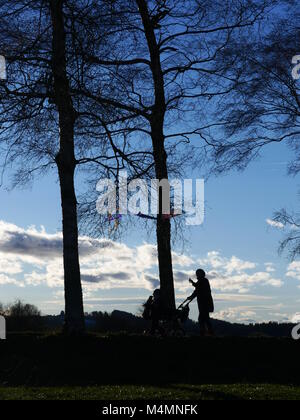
(169,392)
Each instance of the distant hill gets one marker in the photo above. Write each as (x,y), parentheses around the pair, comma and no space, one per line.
(119,321)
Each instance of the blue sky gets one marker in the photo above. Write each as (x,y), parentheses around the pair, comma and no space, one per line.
(235,246)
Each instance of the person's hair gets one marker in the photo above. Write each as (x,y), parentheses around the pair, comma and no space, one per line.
(200,273)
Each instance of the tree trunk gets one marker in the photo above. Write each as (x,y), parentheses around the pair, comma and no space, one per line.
(160,158)
(163,229)
(66,163)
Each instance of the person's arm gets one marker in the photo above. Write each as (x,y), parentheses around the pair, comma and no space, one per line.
(194,295)
(193,283)
(149,302)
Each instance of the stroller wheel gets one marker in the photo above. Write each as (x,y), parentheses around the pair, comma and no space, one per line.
(180,332)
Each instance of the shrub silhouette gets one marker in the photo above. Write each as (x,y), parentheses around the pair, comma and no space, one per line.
(23,317)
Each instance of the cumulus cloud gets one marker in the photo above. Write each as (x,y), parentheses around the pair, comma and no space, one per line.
(293,270)
(295,318)
(35,244)
(270,268)
(9,280)
(34,257)
(228,265)
(238,314)
(233,274)
(105,264)
(253,313)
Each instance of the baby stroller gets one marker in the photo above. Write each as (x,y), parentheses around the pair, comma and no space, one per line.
(180,318)
(167,325)
(183,312)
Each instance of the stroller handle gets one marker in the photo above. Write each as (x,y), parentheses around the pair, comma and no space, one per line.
(183,303)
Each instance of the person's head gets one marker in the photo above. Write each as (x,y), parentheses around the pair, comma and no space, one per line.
(156,293)
(200,274)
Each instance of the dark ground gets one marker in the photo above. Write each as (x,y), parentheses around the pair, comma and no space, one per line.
(53,361)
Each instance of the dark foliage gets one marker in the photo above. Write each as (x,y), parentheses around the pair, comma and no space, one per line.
(23,317)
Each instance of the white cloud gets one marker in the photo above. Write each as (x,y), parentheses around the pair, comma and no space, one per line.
(9,280)
(229,265)
(270,268)
(293,270)
(106,264)
(254,313)
(230,297)
(274,224)
(241,314)
(296,318)
(234,274)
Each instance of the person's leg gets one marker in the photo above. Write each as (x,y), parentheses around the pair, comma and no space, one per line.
(202,321)
(157,327)
(154,326)
(209,325)
(161,329)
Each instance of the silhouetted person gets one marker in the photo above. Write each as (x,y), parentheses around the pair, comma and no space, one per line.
(205,302)
(156,310)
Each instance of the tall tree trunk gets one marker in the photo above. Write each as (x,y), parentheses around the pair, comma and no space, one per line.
(66,163)
(163,228)
(160,158)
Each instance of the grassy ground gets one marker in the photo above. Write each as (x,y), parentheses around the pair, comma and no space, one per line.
(170,392)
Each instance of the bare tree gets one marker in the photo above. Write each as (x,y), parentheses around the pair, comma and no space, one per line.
(291,224)
(46,123)
(265,106)
(169,64)
(19,309)
(36,110)
(66,164)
